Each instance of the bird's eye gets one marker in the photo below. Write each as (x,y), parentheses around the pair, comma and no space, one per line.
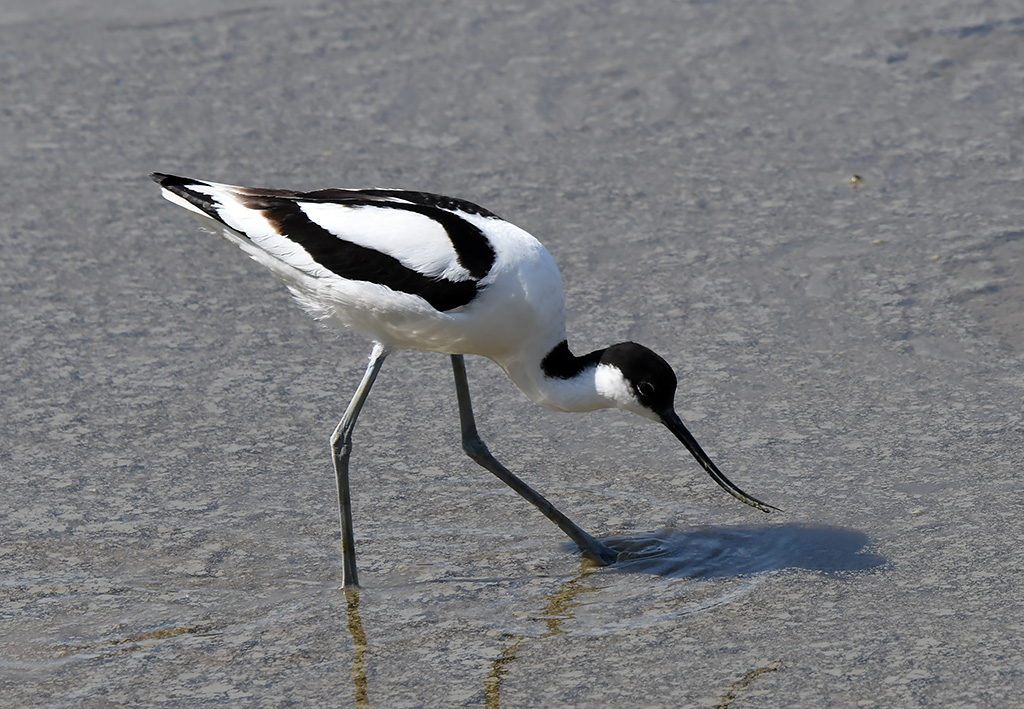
(645,389)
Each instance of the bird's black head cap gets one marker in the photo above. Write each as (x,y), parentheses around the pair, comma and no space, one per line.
(650,377)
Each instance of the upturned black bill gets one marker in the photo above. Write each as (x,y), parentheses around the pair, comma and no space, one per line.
(675,425)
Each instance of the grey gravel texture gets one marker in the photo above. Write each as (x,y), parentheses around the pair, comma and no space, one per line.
(849,350)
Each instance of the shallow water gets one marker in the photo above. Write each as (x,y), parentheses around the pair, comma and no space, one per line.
(73,625)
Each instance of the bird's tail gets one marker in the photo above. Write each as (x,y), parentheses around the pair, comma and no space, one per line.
(237,214)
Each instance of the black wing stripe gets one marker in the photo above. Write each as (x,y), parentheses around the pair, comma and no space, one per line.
(359,263)
(424,199)
(472,249)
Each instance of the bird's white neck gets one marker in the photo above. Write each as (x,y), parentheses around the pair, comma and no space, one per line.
(561,381)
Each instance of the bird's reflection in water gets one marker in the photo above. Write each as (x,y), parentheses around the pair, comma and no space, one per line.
(560,607)
(715,565)
(355,629)
(712,554)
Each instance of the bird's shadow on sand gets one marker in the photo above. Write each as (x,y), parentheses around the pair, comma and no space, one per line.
(720,552)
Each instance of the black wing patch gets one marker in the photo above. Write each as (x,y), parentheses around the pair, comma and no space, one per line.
(473,249)
(359,263)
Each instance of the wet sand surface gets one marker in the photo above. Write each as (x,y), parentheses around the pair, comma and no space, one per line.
(849,350)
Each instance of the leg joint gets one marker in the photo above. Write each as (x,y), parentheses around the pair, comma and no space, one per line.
(341,441)
(475,448)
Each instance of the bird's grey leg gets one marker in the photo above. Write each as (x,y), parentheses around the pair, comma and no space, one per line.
(477,450)
(341,449)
